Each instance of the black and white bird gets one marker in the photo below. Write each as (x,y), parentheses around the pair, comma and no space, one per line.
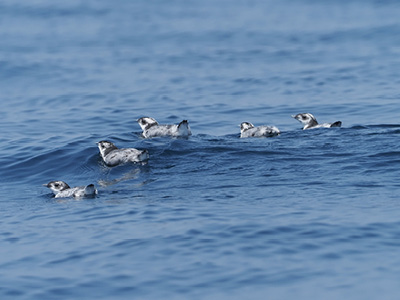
(310,122)
(249,130)
(113,156)
(151,128)
(62,190)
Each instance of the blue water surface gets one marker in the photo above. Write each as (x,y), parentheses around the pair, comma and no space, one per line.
(306,215)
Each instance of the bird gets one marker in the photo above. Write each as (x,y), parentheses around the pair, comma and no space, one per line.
(151,128)
(62,190)
(113,156)
(249,130)
(310,122)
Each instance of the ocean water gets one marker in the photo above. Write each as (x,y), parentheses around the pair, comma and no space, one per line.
(306,215)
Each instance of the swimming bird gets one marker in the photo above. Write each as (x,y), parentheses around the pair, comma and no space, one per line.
(310,122)
(113,156)
(151,128)
(62,190)
(249,130)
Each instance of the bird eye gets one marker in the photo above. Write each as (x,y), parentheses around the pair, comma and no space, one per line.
(56,184)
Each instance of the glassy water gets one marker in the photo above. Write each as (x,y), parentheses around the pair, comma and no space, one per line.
(308,214)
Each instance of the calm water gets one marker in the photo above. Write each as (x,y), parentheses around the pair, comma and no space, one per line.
(308,214)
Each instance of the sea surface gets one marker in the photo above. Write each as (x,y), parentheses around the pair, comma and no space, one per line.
(309,214)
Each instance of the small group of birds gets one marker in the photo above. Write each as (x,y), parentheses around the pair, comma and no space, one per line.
(308,120)
(113,156)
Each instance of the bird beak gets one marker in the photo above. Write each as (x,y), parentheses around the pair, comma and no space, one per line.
(293,116)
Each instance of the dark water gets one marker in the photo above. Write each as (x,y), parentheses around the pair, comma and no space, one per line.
(307,215)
